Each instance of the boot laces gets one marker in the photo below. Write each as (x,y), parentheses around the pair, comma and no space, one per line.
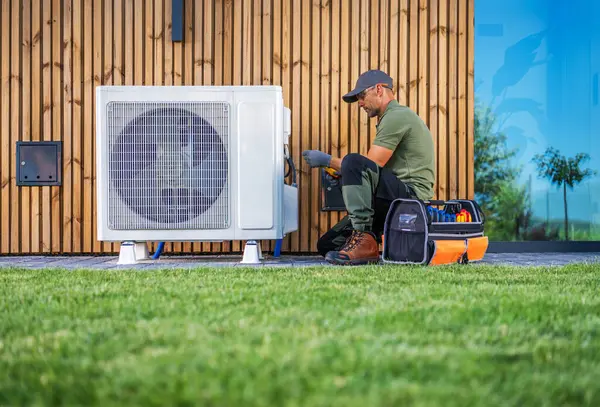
(352,241)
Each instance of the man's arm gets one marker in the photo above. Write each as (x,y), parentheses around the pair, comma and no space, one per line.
(379,155)
(336,163)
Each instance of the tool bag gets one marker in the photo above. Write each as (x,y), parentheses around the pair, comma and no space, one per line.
(434,232)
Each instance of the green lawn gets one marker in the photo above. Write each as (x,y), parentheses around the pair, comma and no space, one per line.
(366,336)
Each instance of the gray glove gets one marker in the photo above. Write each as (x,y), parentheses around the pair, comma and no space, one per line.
(316,158)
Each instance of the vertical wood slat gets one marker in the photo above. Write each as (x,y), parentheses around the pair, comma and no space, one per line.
(77,131)
(345,82)
(442,147)
(325,79)
(67,105)
(57,122)
(452,170)
(98,79)
(129,49)
(315,119)
(88,129)
(168,74)
(470,33)
(25,210)
(5,119)
(16,129)
(284,54)
(107,67)
(462,99)
(36,117)
(55,52)
(371,20)
(403,54)
(433,108)
(46,216)
(275,27)
(335,95)
(296,147)
(364,65)
(307,216)
(355,68)
(423,76)
(413,60)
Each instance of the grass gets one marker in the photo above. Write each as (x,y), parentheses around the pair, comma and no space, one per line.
(364,336)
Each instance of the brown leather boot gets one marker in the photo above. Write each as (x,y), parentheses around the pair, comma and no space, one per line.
(360,248)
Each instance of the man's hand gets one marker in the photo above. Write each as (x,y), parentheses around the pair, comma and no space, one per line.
(316,158)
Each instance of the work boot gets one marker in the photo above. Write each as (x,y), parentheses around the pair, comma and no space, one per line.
(360,248)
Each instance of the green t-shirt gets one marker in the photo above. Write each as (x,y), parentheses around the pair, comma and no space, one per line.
(402,130)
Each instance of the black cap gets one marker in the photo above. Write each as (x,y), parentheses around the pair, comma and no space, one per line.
(365,81)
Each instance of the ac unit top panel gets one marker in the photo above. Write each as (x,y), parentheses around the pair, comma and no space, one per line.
(164,89)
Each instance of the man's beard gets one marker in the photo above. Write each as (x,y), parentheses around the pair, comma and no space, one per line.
(372,112)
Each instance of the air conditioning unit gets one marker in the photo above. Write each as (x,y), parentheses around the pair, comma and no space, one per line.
(192,163)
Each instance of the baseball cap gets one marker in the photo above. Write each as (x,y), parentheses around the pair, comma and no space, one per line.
(365,81)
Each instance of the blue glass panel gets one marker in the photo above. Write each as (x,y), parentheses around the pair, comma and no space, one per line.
(537,66)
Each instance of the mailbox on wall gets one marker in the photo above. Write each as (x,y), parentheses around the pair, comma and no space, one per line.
(39,163)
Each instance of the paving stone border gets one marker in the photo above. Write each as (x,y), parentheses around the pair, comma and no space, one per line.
(110,262)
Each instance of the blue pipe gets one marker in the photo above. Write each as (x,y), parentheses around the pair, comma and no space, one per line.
(158,251)
(277,251)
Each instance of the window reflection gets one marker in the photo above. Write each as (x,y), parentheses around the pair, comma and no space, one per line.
(537,118)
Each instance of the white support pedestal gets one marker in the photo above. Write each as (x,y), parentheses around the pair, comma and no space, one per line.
(252,253)
(133,252)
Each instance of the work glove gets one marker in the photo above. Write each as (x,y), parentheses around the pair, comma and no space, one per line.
(316,158)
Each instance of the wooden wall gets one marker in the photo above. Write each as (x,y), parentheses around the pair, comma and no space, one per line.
(54,53)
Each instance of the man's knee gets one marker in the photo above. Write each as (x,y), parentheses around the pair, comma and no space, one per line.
(353,165)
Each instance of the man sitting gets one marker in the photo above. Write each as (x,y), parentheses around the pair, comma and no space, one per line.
(399,164)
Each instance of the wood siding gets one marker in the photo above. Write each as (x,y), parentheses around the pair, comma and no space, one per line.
(55,52)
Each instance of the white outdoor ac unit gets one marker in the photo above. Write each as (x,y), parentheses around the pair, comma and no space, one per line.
(193,163)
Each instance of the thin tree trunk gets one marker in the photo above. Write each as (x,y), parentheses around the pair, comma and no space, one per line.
(566,212)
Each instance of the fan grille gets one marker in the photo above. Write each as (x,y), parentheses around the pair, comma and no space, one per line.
(168,166)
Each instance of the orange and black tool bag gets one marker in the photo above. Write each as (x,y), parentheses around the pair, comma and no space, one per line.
(434,232)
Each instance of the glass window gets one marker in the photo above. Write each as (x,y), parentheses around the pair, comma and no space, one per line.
(537,118)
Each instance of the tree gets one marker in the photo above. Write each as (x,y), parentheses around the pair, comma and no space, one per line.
(562,171)
(492,164)
(504,202)
(510,213)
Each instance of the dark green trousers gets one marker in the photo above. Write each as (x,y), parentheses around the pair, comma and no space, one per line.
(368,192)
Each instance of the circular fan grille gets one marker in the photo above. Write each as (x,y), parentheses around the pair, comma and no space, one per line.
(169,165)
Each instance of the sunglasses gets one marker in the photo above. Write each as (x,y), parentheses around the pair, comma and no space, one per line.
(362,94)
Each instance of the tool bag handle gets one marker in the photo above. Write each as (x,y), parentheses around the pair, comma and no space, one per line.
(435,202)
(478,208)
